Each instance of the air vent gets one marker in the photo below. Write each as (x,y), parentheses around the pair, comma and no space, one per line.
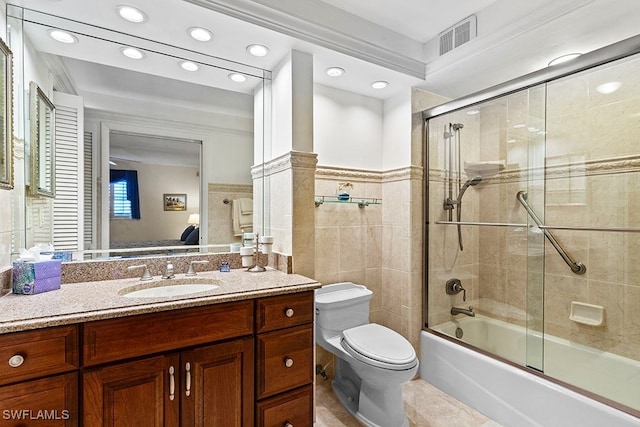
(458,35)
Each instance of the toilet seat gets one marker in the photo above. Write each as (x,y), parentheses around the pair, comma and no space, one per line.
(379,346)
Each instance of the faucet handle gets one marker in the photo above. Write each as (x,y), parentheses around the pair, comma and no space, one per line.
(168,274)
(192,271)
(454,286)
(145,274)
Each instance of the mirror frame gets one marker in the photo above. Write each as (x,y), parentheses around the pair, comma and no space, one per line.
(6,137)
(38,98)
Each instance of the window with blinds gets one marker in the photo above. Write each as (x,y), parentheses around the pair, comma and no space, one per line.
(120,205)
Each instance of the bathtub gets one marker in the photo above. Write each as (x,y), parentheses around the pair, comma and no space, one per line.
(515,397)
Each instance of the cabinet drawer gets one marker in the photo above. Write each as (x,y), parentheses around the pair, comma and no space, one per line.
(284,311)
(293,409)
(122,338)
(31,354)
(285,360)
(47,402)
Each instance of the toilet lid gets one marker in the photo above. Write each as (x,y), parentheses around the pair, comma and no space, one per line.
(379,346)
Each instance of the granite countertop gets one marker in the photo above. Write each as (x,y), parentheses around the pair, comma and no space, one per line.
(82,302)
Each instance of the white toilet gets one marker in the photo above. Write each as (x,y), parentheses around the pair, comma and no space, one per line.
(372,361)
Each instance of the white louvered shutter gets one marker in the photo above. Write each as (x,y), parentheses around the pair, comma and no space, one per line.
(88,187)
(68,205)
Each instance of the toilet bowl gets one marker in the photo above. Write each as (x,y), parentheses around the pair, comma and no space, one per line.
(372,361)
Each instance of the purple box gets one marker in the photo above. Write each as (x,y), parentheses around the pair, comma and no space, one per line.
(36,277)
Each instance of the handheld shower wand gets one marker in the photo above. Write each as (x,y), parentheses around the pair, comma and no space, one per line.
(458,202)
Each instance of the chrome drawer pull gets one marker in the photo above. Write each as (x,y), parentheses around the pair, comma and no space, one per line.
(288,362)
(16,361)
(172,383)
(187,368)
(289,312)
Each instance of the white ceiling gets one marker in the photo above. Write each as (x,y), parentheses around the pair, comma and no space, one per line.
(514,36)
(421,20)
(371,39)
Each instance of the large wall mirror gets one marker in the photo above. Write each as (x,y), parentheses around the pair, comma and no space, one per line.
(6,117)
(150,140)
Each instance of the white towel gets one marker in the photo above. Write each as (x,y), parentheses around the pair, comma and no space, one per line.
(242,223)
(246,206)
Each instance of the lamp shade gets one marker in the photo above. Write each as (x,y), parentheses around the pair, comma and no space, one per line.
(194,219)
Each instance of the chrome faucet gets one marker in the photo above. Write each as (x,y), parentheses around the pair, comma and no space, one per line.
(460,310)
(168,273)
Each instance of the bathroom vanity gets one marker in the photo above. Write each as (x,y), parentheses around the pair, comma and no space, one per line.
(225,357)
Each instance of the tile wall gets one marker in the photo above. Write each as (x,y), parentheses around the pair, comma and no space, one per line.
(587,142)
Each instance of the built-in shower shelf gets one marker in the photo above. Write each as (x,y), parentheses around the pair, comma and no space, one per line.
(587,314)
(360,201)
(488,224)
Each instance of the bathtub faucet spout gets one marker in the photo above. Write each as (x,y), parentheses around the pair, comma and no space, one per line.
(460,310)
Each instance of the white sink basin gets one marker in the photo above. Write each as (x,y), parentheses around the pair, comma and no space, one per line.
(171,290)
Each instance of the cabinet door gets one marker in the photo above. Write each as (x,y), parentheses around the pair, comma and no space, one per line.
(141,393)
(217,385)
(49,402)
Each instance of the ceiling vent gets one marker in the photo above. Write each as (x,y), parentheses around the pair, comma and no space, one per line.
(458,35)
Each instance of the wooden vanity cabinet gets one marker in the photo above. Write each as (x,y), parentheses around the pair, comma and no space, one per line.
(206,386)
(284,360)
(202,376)
(241,363)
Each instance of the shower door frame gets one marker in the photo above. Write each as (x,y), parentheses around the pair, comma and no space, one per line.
(620,50)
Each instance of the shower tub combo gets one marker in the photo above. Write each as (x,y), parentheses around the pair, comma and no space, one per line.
(532,302)
(512,396)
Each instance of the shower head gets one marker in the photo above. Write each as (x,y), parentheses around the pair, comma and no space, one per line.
(457,126)
(468,183)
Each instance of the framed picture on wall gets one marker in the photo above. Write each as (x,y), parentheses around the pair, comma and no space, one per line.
(175,202)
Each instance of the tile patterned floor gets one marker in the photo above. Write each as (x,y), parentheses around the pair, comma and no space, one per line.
(425,406)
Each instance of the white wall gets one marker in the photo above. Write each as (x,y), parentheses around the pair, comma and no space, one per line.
(348,129)
(396,132)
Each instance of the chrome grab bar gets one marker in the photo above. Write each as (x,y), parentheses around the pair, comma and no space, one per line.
(576,267)
(603,229)
(488,224)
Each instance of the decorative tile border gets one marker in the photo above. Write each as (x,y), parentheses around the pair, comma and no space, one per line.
(627,164)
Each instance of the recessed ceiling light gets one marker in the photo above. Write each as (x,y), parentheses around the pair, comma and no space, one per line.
(63,36)
(238,78)
(131,14)
(132,52)
(189,66)
(258,50)
(380,84)
(334,71)
(563,58)
(473,112)
(607,88)
(200,34)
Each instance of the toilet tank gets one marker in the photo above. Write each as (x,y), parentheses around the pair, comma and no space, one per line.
(341,306)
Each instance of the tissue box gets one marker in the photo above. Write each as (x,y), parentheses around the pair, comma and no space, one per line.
(36,277)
